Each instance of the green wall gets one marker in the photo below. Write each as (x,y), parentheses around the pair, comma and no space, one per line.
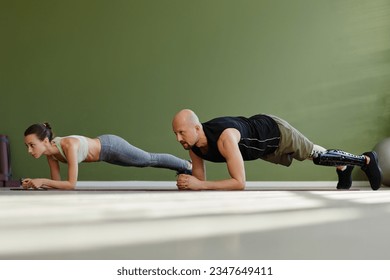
(126,67)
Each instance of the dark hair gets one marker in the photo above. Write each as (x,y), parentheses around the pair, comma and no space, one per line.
(41,130)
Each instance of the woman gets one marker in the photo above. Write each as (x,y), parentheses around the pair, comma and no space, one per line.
(75,149)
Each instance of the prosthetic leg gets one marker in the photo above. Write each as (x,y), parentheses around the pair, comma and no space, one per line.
(339,158)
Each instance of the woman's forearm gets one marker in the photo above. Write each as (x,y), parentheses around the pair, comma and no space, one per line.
(64,185)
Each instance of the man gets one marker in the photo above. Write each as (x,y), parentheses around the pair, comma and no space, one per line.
(237,139)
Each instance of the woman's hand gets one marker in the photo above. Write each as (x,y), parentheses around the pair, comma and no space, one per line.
(34,184)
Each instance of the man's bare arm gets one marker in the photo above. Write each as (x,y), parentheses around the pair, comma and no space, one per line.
(228,147)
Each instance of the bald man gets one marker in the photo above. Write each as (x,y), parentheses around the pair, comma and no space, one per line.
(237,139)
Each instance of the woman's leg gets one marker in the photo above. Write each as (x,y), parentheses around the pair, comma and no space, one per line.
(116,150)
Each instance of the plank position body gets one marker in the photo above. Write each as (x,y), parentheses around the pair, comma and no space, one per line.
(237,139)
(74,149)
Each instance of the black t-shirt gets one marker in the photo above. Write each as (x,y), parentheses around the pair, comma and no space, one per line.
(260,136)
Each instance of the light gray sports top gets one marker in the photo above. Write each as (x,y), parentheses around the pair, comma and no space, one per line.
(82,152)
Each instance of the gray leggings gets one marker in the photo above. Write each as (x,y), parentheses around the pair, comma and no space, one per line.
(116,150)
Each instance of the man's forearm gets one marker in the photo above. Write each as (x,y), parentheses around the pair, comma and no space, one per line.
(224,185)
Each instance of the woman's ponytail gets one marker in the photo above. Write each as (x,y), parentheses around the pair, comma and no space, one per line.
(41,130)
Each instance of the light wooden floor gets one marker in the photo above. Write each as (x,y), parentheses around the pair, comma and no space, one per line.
(152,220)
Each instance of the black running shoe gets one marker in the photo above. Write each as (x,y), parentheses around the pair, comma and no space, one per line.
(345,178)
(185,171)
(373,171)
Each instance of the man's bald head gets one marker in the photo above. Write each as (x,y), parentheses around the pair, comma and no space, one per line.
(186,117)
(186,126)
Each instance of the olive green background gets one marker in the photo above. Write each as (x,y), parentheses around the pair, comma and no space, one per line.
(126,67)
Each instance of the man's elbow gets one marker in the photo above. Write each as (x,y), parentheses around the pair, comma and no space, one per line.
(70,186)
(240,186)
